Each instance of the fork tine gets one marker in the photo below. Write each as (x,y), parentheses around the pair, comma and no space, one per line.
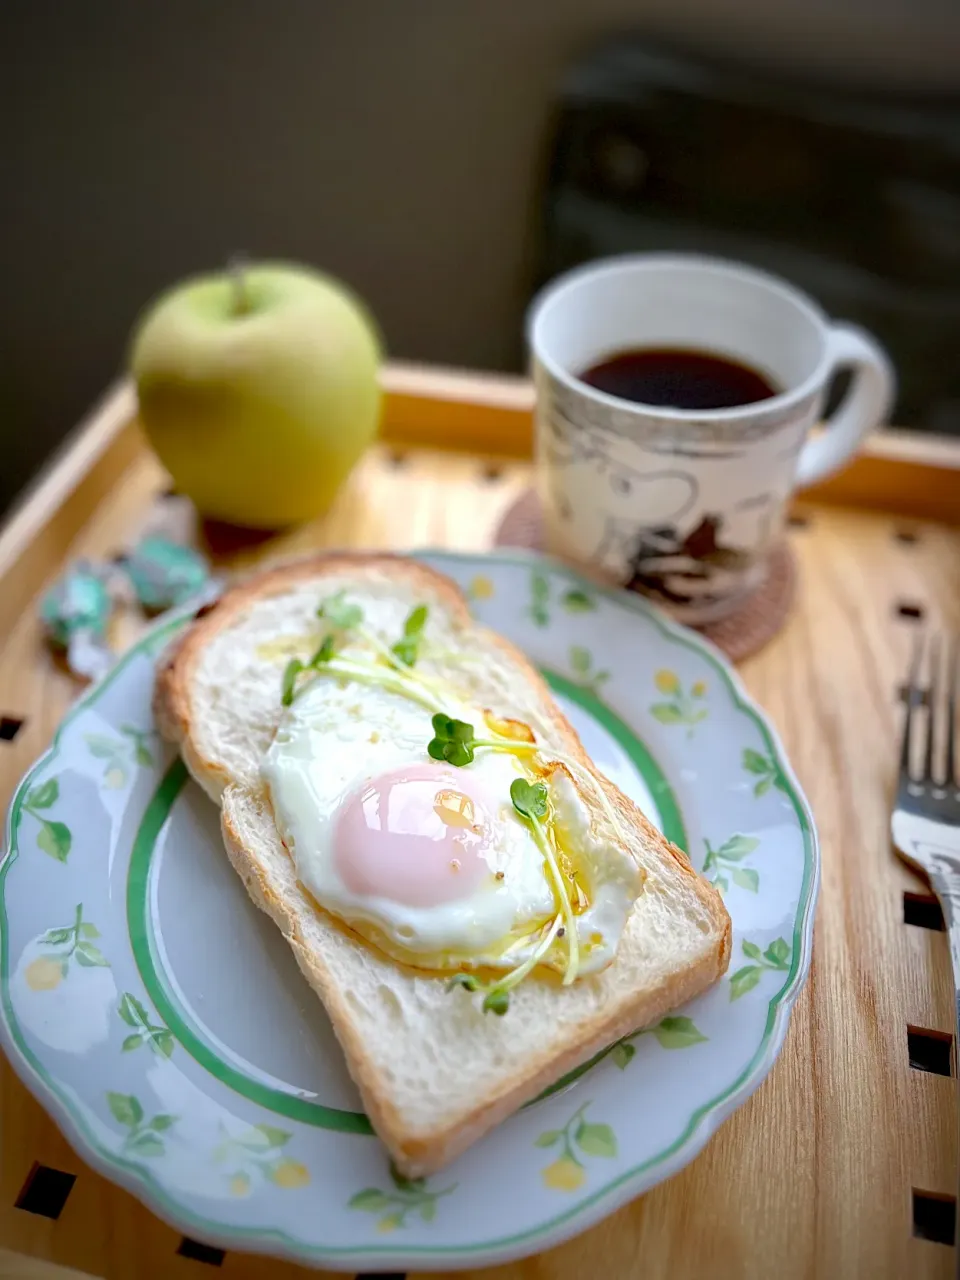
(953,680)
(911,701)
(933,697)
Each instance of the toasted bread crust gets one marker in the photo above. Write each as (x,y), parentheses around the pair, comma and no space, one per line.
(418,1154)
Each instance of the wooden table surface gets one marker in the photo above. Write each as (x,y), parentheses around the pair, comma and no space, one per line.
(817,1174)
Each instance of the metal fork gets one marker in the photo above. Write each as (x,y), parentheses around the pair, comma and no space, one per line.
(926,816)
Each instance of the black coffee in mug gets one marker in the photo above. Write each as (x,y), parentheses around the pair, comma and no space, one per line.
(679,378)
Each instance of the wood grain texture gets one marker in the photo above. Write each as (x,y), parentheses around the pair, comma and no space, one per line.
(17,1266)
(813,1176)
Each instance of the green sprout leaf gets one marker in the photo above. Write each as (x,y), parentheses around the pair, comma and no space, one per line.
(454,730)
(529,799)
(89,930)
(466,980)
(44,796)
(102,746)
(678,1033)
(125,1109)
(621,1053)
(416,621)
(550,1138)
(161,1123)
(744,980)
(777,953)
(324,653)
(132,1042)
(496,1001)
(763,786)
(496,994)
(455,753)
(595,1139)
(289,682)
(751,950)
(406,650)
(339,613)
(428,1210)
(408,647)
(453,741)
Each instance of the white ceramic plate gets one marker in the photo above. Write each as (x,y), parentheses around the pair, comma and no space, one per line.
(163,1023)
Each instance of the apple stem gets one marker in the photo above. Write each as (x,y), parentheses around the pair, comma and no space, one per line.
(237,269)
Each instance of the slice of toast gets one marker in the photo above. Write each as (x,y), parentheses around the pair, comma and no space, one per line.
(434,1071)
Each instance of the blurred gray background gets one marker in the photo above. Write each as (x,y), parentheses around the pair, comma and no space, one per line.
(398,143)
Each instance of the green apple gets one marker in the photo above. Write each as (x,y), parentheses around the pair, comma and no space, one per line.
(258,389)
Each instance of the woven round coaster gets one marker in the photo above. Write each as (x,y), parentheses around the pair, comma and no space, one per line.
(756,621)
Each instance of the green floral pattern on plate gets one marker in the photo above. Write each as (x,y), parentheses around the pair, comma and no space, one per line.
(118,752)
(776,959)
(53,837)
(679,707)
(406,1196)
(577,1139)
(725,861)
(572,600)
(72,942)
(674,1032)
(185,1135)
(145,1032)
(257,1155)
(581,664)
(766,770)
(143,1136)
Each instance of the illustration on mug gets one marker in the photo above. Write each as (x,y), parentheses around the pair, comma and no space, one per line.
(691,568)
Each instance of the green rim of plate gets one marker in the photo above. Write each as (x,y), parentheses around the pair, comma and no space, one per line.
(704,1119)
(179,1019)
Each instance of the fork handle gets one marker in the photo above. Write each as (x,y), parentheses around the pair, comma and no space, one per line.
(945,882)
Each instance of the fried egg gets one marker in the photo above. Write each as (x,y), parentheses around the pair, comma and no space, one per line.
(429,862)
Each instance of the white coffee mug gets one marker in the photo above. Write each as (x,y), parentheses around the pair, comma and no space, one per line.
(686,505)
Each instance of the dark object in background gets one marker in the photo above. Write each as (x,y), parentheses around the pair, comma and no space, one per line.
(852,196)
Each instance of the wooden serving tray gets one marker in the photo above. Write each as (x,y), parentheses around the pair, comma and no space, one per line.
(842,1161)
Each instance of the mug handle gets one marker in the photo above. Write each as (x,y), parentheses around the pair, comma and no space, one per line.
(863,408)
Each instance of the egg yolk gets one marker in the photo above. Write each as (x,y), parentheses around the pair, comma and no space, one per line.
(415,836)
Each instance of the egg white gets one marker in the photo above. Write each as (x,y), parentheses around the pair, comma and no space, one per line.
(337,736)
